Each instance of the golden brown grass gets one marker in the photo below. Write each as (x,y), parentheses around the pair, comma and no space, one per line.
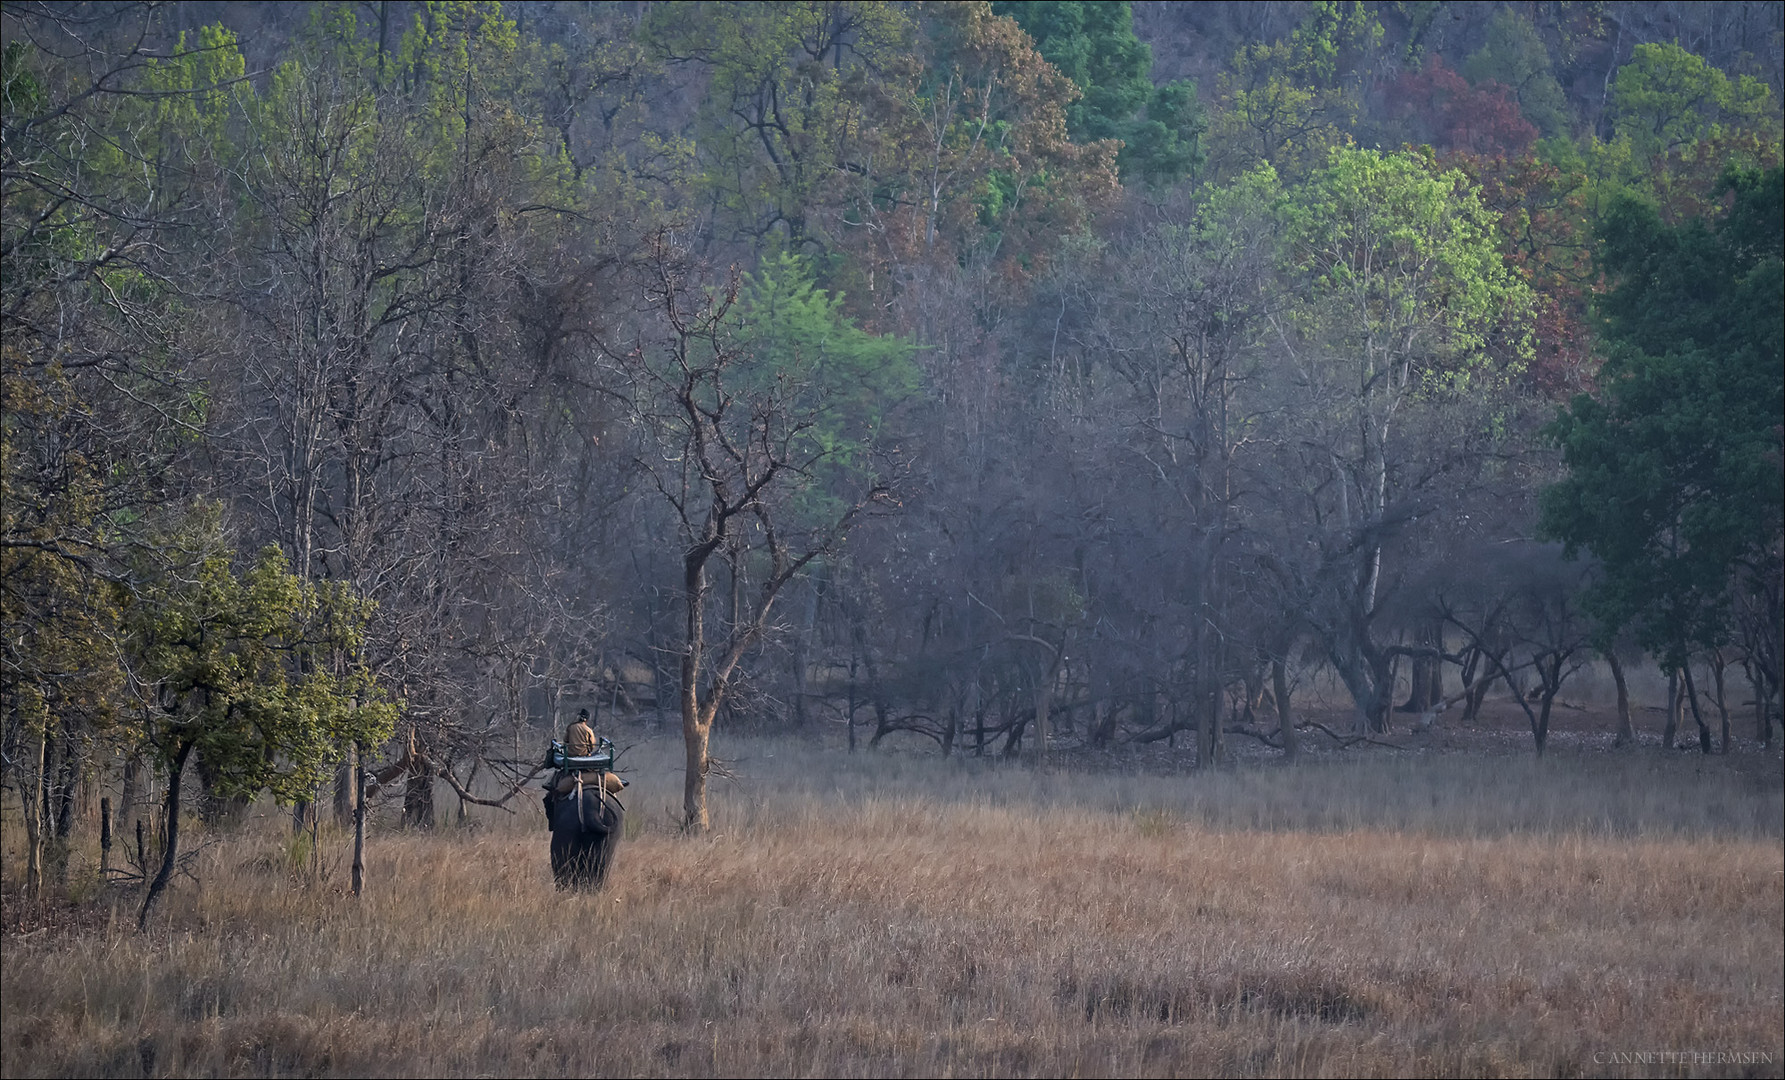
(893,914)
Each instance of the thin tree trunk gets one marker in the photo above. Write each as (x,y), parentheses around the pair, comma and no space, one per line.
(418,790)
(1285,716)
(802,651)
(853,703)
(105,837)
(31,794)
(171,847)
(1704,731)
(1626,732)
(1722,704)
(359,818)
(68,785)
(1763,727)
(1674,703)
(127,798)
(695,739)
(1552,685)
(696,728)
(345,787)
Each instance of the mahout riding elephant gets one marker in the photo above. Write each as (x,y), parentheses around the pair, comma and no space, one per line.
(586,825)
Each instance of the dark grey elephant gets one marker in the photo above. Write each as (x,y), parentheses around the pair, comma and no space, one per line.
(585,832)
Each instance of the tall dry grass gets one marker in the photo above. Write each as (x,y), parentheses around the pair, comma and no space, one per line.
(892,914)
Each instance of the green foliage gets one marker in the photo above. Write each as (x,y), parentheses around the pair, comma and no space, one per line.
(1291,101)
(1514,56)
(257,670)
(1330,38)
(788,99)
(58,612)
(1667,97)
(838,380)
(1405,268)
(1674,471)
(1093,44)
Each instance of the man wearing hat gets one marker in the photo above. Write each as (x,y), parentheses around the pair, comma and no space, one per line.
(579,737)
(579,741)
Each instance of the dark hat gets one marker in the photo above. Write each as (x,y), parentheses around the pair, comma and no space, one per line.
(582,714)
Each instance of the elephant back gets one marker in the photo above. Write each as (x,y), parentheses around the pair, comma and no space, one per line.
(587,810)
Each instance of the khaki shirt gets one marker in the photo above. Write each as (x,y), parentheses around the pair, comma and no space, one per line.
(579,739)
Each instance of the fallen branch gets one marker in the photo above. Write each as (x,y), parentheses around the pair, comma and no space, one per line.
(1263,737)
(1342,740)
(501,804)
(1160,734)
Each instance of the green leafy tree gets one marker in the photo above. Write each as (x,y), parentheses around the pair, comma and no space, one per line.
(1666,97)
(1093,44)
(259,672)
(845,378)
(1288,102)
(990,168)
(1514,56)
(103,183)
(1402,291)
(753,396)
(1674,469)
(784,121)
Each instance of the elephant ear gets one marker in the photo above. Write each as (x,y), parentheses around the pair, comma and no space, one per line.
(567,815)
(598,815)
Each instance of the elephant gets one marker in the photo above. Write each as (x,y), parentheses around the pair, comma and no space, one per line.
(586,827)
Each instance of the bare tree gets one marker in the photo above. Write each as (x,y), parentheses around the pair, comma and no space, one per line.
(1519,608)
(731,449)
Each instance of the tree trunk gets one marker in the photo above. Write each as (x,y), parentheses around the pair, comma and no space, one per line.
(1626,733)
(1044,701)
(1674,705)
(1426,691)
(1285,715)
(1100,723)
(696,728)
(853,703)
(1552,685)
(1763,726)
(105,837)
(345,774)
(1722,703)
(1704,731)
(695,739)
(127,798)
(171,845)
(359,818)
(68,785)
(1479,684)
(418,787)
(31,795)
(802,651)
(1208,724)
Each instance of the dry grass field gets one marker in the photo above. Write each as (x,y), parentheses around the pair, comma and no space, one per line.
(891,913)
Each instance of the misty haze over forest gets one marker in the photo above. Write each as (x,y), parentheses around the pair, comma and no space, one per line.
(384,381)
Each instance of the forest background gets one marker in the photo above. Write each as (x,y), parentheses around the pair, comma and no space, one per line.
(382,382)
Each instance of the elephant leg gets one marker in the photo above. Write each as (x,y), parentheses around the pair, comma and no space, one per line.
(580,859)
(567,859)
(601,850)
